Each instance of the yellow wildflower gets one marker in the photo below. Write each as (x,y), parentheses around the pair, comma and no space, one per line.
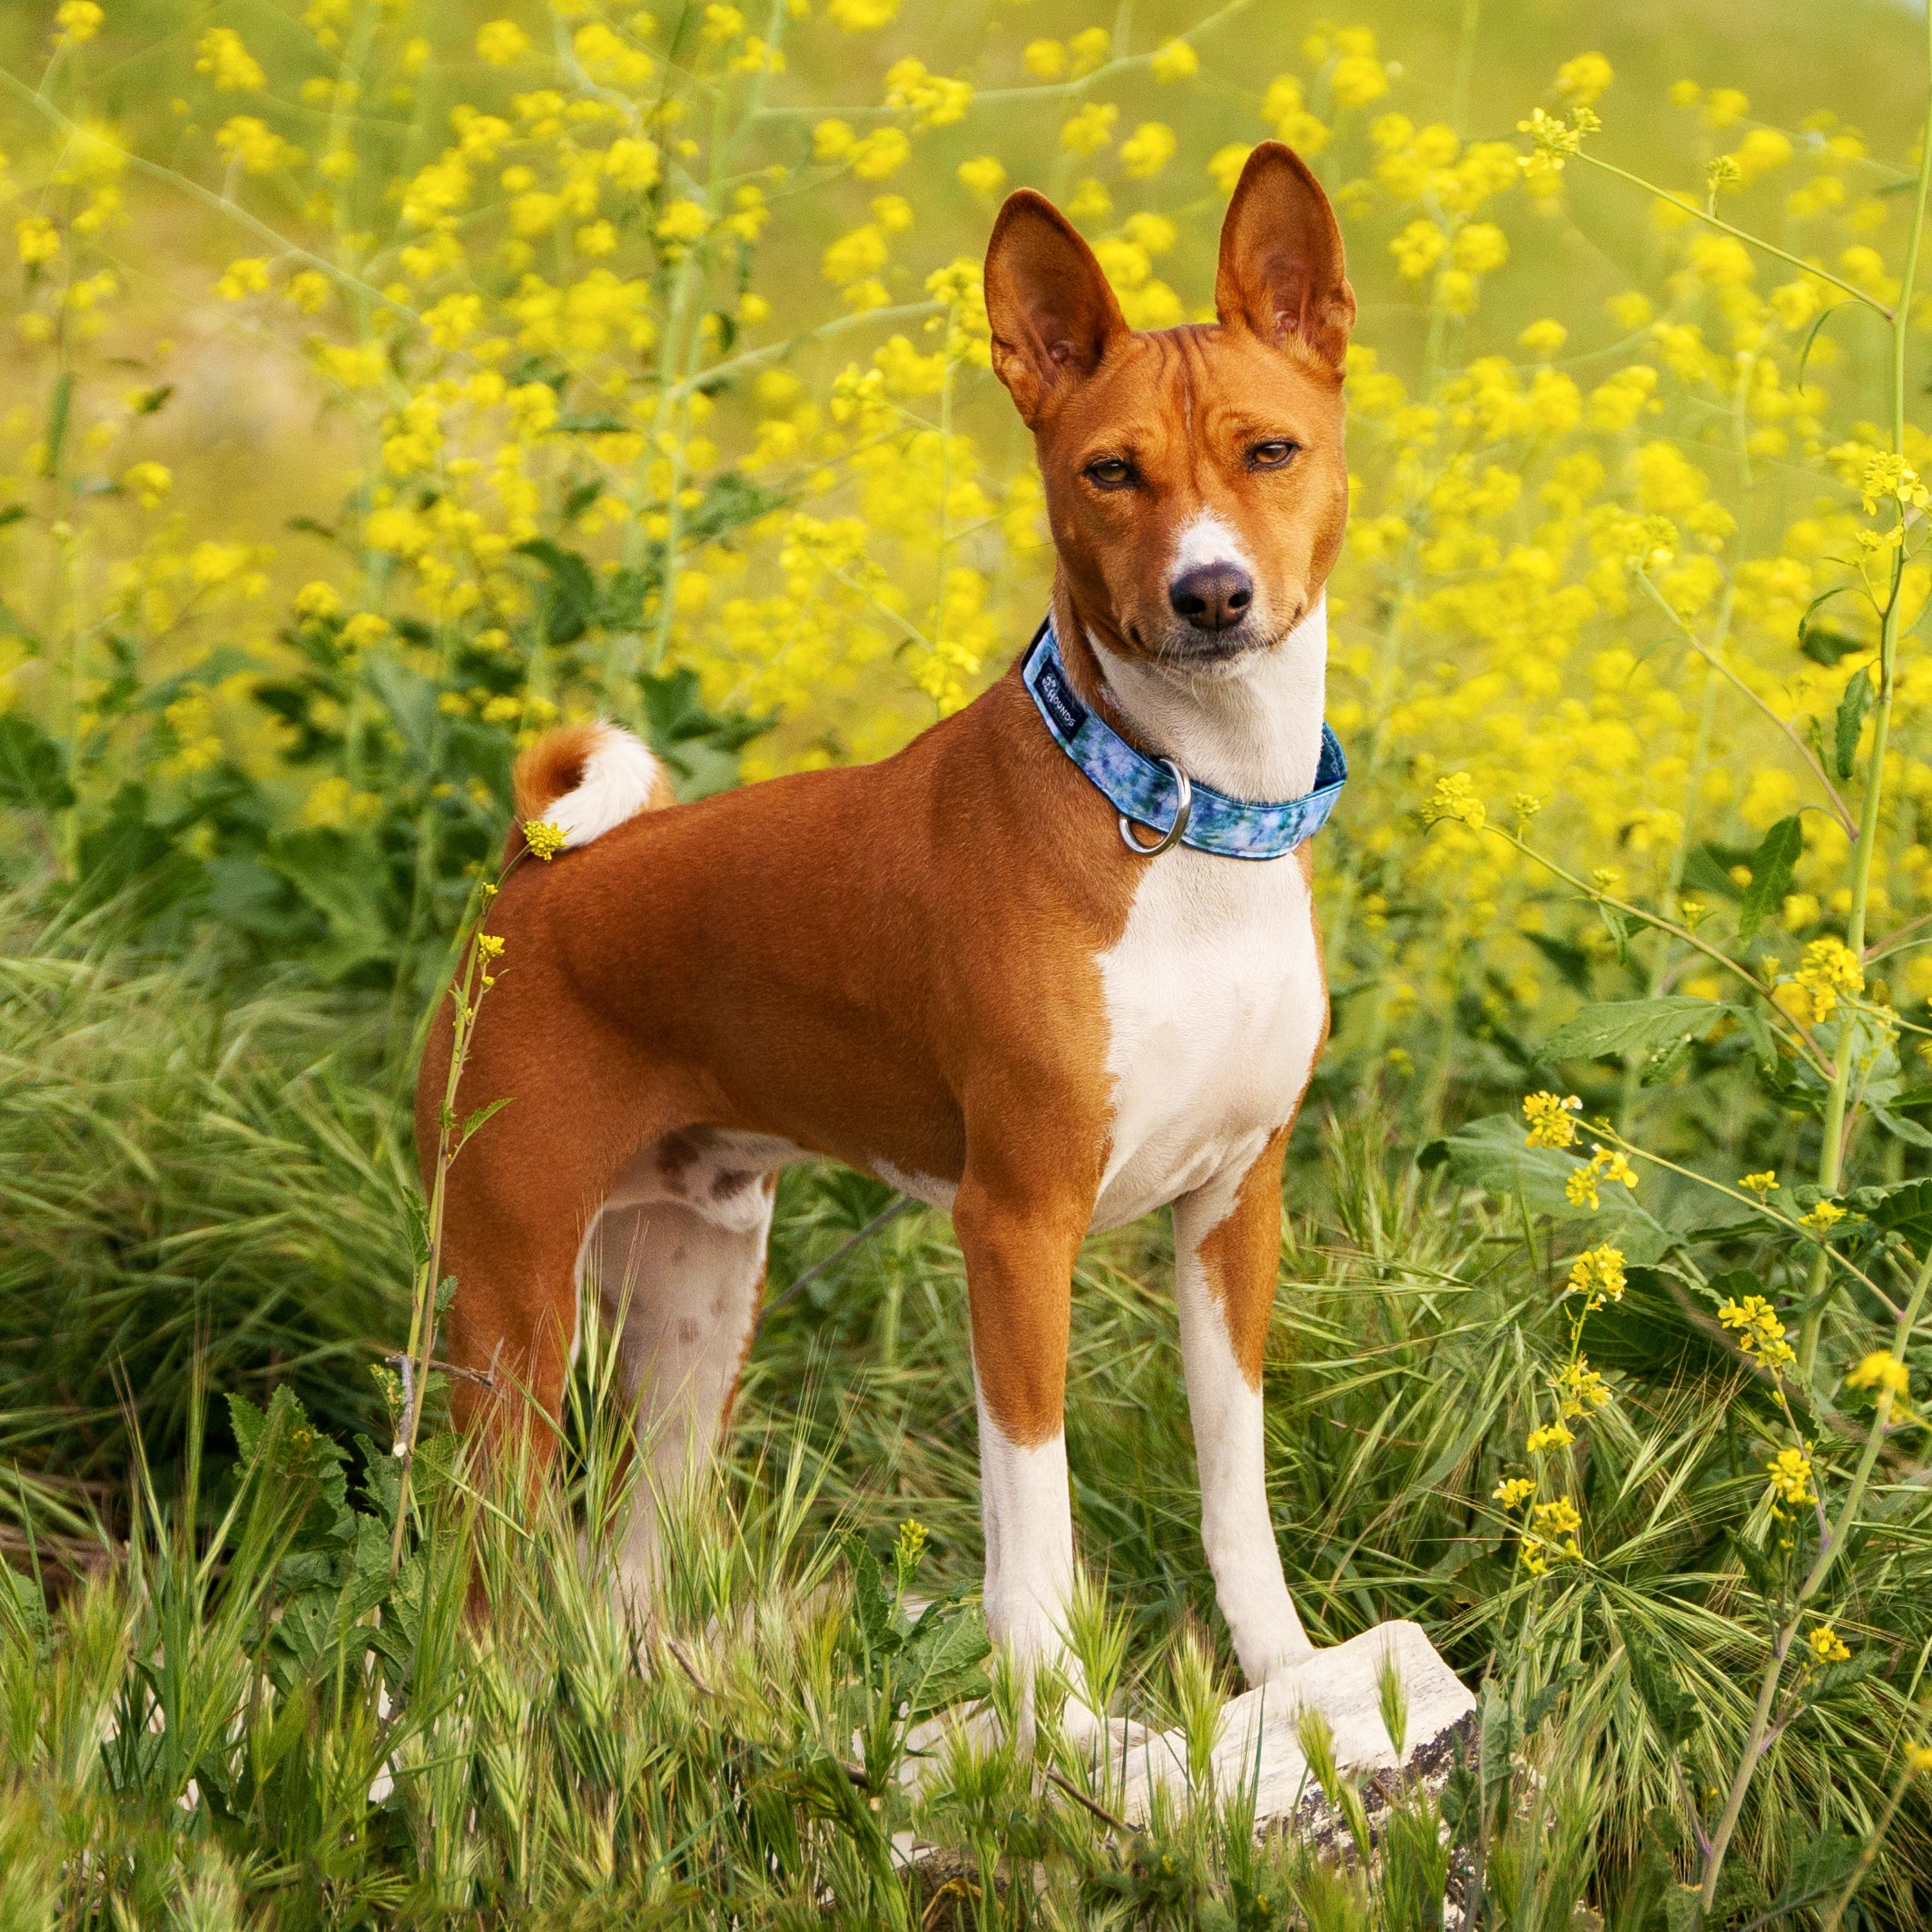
(984,174)
(1549,1121)
(1513,1492)
(1597,1275)
(500,42)
(1148,150)
(1551,1435)
(248,276)
(1790,1475)
(1826,1645)
(1454,798)
(318,600)
(1822,1218)
(77,20)
(37,239)
(220,54)
(1879,1371)
(1578,1388)
(1585,79)
(1761,1184)
(1175,60)
(1919,1758)
(149,481)
(1090,128)
(544,838)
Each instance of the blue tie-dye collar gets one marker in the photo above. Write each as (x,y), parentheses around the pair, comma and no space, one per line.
(1142,789)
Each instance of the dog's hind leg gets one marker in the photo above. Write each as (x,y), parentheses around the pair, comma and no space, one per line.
(1227,1251)
(681,1257)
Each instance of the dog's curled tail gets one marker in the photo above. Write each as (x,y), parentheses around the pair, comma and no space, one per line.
(585,779)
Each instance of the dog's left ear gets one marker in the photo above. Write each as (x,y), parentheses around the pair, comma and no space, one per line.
(1281,273)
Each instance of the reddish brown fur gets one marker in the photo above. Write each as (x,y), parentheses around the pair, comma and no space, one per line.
(898,964)
(554,765)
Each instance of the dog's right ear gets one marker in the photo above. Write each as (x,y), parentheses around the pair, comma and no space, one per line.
(1053,317)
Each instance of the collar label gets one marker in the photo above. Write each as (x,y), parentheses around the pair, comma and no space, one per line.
(1055,694)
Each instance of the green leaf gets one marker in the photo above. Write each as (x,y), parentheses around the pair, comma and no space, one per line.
(1615,1027)
(572,594)
(150,400)
(480,1115)
(872,1607)
(57,418)
(32,767)
(13,513)
(1819,1867)
(1852,708)
(249,1425)
(1684,1909)
(1490,1153)
(1819,644)
(1652,1335)
(1673,1709)
(1907,1130)
(1618,927)
(1906,1210)
(1770,870)
(1756,1565)
(1707,869)
(1764,1042)
(1804,356)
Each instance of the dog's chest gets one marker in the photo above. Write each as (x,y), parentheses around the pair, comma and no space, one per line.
(1214,1007)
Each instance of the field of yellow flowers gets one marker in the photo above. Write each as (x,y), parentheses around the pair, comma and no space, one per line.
(388,382)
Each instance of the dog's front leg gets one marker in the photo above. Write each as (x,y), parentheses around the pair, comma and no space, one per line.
(1020,1242)
(1227,1249)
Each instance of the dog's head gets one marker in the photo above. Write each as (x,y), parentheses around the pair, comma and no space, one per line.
(1195,478)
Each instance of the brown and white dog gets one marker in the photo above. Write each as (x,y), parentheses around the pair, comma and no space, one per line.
(946,969)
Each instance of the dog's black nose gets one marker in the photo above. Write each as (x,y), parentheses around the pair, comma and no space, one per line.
(1212,596)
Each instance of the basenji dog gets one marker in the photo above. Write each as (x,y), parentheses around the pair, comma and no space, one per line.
(1051,967)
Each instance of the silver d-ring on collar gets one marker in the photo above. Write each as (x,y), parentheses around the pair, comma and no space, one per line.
(1171,836)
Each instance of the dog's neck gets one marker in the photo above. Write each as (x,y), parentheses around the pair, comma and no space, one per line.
(1251,728)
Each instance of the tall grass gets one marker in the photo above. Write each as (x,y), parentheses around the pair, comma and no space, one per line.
(546,1761)
(195,1176)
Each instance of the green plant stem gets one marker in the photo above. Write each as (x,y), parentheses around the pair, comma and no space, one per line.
(1831,1547)
(1874,1838)
(1831,1154)
(1840,810)
(1742,234)
(1820,1060)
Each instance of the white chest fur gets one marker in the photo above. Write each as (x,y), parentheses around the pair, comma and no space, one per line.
(1215,1007)
(1214,991)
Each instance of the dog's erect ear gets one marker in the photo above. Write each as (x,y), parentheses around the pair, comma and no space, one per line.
(1281,274)
(1053,316)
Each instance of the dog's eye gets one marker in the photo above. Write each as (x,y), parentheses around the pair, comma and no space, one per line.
(1110,472)
(1271,455)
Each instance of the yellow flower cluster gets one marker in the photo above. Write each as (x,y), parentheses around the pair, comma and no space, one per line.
(1760,1333)
(1597,1275)
(1605,1167)
(1790,1476)
(1552,1119)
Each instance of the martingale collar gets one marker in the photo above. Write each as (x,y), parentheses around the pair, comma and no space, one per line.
(1156,792)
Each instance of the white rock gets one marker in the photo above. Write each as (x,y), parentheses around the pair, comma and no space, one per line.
(1259,1743)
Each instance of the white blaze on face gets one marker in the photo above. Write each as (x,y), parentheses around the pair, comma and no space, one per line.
(1206,538)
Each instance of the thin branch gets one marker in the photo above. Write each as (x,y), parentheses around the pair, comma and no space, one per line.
(1080,1797)
(208,198)
(1846,823)
(1740,234)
